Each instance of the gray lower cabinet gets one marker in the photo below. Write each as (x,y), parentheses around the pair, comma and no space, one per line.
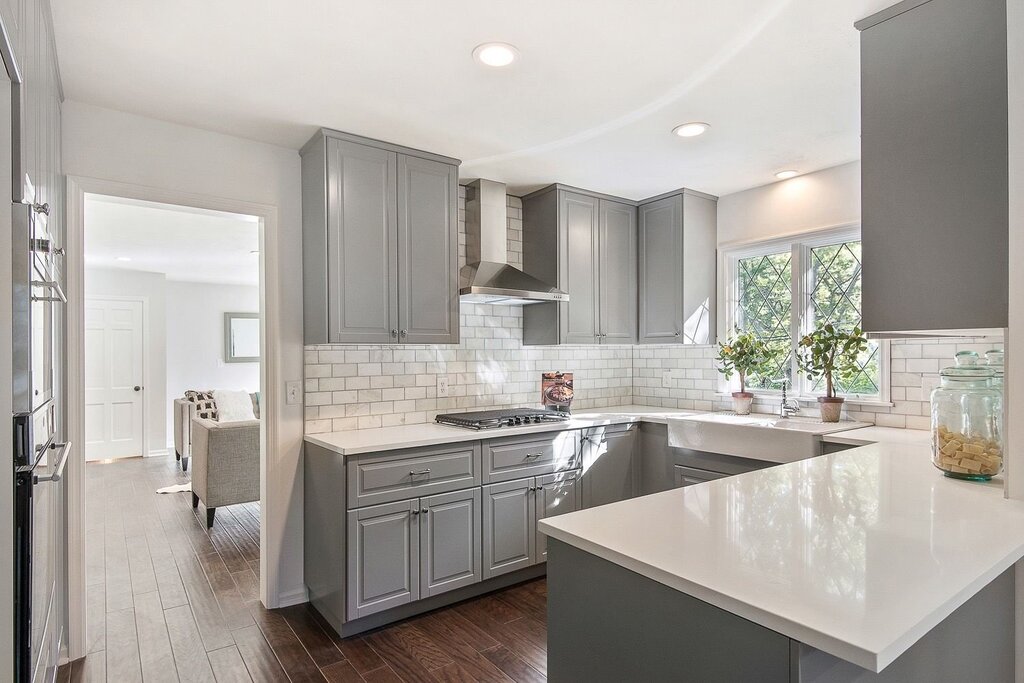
(383,557)
(510,526)
(678,269)
(609,465)
(688,476)
(556,494)
(412,549)
(449,541)
(586,244)
(511,512)
(934,144)
(380,242)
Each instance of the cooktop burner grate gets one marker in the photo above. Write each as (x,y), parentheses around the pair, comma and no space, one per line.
(508,417)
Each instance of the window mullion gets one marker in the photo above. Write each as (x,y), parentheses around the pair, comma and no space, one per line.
(801,264)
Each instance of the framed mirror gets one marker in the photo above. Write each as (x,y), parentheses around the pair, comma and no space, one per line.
(241,337)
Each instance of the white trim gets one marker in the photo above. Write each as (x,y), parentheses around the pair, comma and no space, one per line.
(799,244)
(274,499)
(146,376)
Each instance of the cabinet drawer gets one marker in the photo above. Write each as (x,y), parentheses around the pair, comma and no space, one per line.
(381,478)
(518,457)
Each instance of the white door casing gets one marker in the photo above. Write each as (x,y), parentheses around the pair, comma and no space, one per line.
(114,369)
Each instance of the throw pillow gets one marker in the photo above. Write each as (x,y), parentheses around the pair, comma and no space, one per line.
(233,406)
(206,406)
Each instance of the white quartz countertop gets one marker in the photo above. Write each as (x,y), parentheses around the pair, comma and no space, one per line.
(868,435)
(357,441)
(859,553)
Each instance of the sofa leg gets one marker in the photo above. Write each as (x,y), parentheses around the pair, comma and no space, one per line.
(184,463)
(210,512)
(195,501)
(177,455)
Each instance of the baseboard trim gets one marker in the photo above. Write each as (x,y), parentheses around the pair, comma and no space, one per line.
(293,597)
(157,453)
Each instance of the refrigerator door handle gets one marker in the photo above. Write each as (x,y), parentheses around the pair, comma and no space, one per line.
(58,472)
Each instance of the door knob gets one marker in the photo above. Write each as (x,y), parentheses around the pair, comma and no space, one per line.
(137,388)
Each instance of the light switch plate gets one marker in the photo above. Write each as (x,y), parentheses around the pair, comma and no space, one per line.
(293,392)
(442,386)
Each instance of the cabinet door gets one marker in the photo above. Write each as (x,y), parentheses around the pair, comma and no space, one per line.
(449,541)
(688,476)
(383,557)
(557,494)
(362,256)
(510,526)
(608,466)
(934,69)
(700,269)
(617,273)
(579,265)
(428,261)
(661,271)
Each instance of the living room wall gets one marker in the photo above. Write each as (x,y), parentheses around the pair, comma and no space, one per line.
(195,340)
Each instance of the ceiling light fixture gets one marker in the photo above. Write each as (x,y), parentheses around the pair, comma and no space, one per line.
(124,259)
(690,130)
(786,175)
(495,54)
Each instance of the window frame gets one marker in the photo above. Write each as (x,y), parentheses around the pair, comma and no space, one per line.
(801,287)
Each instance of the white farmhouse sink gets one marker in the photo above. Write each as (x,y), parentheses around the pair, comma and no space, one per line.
(755,436)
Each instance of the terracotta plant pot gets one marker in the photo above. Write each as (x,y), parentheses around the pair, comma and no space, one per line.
(741,401)
(831,408)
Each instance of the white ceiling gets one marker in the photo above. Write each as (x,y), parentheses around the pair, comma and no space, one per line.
(591,102)
(192,245)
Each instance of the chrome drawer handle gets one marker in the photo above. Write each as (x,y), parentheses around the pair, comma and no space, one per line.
(424,510)
(533,455)
(58,471)
(415,473)
(415,512)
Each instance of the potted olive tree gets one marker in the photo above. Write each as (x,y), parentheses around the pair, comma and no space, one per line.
(831,353)
(743,354)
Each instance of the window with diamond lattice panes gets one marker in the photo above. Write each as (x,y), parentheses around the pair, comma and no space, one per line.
(765,308)
(835,297)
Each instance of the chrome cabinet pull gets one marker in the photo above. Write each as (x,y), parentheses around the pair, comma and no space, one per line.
(394,333)
(42,208)
(531,456)
(415,512)
(52,285)
(404,333)
(58,471)
(424,510)
(416,473)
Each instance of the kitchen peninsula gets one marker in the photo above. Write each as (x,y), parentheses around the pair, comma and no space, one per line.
(862,565)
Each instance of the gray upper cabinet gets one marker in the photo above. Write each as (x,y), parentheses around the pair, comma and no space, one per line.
(678,268)
(380,243)
(586,243)
(428,242)
(617,273)
(449,541)
(934,166)
(383,557)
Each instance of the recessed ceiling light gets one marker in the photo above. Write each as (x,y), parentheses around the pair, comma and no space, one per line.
(690,130)
(786,175)
(495,54)
(124,259)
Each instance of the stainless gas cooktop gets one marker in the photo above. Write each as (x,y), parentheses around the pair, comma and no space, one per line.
(508,417)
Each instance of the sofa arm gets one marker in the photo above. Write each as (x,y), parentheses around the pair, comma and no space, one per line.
(225,461)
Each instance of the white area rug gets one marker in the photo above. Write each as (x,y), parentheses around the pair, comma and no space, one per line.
(177,488)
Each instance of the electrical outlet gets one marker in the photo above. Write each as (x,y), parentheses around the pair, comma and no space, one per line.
(442,386)
(293,392)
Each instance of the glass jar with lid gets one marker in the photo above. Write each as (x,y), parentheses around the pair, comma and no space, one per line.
(994,360)
(967,429)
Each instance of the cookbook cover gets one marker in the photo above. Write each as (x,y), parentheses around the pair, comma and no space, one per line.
(556,390)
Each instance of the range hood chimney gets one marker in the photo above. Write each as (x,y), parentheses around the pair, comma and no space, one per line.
(488,278)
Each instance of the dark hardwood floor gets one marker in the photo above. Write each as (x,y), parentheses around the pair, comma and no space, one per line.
(170,601)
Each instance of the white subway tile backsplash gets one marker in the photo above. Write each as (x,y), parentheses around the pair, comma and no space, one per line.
(371,386)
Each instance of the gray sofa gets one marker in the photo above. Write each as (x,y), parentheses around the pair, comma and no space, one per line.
(225,457)
(225,463)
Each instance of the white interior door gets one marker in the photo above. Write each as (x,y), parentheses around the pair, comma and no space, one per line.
(114,344)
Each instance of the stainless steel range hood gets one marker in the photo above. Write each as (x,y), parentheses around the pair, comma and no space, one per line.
(488,278)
